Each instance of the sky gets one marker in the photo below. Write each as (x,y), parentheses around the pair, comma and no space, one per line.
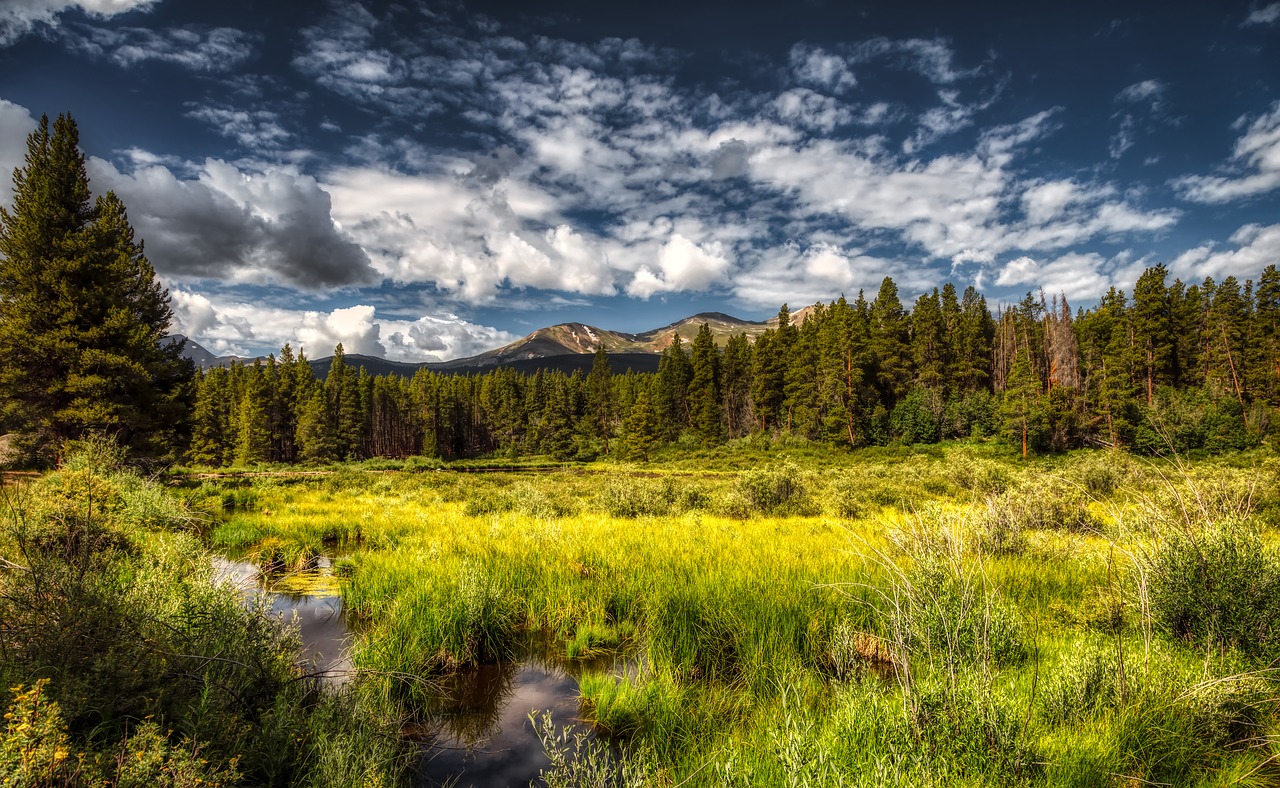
(428,180)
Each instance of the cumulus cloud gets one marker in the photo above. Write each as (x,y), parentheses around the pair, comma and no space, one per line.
(247,329)
(681,265)
(464,236)
(730,159)
(443,338)
(1254,167)
(1078,276)
(269,225)
(1256,247)
(802,276)
(19,17)
(15,124)
(815,111)
(197,48)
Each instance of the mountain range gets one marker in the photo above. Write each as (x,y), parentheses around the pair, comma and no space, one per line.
(565,347)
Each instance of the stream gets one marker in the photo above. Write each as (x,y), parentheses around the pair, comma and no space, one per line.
(478,732)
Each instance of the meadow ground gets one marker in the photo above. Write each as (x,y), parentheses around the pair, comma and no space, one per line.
(949,615)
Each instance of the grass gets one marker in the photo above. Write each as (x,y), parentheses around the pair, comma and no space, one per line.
(952,616)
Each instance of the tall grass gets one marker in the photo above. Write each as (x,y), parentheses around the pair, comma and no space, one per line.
(954,617)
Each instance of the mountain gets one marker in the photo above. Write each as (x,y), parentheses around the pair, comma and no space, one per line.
(566,347)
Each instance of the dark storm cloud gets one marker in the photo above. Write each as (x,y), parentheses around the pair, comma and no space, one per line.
(729,160)
(229,224)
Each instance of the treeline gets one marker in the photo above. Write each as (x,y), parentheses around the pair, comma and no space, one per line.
(1172,366)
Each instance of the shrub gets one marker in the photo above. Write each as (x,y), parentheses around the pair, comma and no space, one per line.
(980,476)
(1217,586)
(781,490)
(1102,472)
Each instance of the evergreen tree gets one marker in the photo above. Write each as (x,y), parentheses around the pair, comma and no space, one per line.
(600,413)
(316,441)
(736,382)
(81,313)
(1021,409)
(704,389)
(1264,344)
(672,394)
(210,426)
(928,342)
(890,347)
(641,430)
(1153,341)
(253,435)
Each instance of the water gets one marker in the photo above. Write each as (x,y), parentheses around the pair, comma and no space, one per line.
(309,599)
(478,731)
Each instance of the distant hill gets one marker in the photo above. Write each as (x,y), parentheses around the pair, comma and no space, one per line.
(565,347)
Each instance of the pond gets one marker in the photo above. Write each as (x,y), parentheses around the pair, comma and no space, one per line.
(478,731)
(311,599)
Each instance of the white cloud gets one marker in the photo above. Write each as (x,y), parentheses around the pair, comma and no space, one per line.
(1267,15)
(1256,247)
(931,58)
(246,329)
(254,129)
(441,339)
(1255,163)
(1078,276)
(1148,89)
(813,110)
(469,238)
(681,265)
(19,17)
(15,124)
(816,66)
(197,48)
(802,276)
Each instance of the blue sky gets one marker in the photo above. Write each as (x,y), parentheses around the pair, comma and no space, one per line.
(424,180)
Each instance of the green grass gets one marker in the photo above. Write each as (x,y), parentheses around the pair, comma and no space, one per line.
(948,616)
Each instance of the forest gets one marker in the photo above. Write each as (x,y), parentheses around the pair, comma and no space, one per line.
(1168,367)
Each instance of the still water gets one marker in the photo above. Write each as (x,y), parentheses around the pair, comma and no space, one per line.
(478,731)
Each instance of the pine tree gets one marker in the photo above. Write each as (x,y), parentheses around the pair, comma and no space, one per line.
(1153,340)
(81,313)
(736,380)
(889,344)
(641,430)
(253,434)
(1022,409)
(600,406)
(316,441)
(704,389)
(672,393)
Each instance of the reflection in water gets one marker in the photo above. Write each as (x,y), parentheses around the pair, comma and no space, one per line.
(325,636)
(479,732)
(483,736)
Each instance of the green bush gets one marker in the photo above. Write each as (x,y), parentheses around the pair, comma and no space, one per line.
(781,490)
(1217,586)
